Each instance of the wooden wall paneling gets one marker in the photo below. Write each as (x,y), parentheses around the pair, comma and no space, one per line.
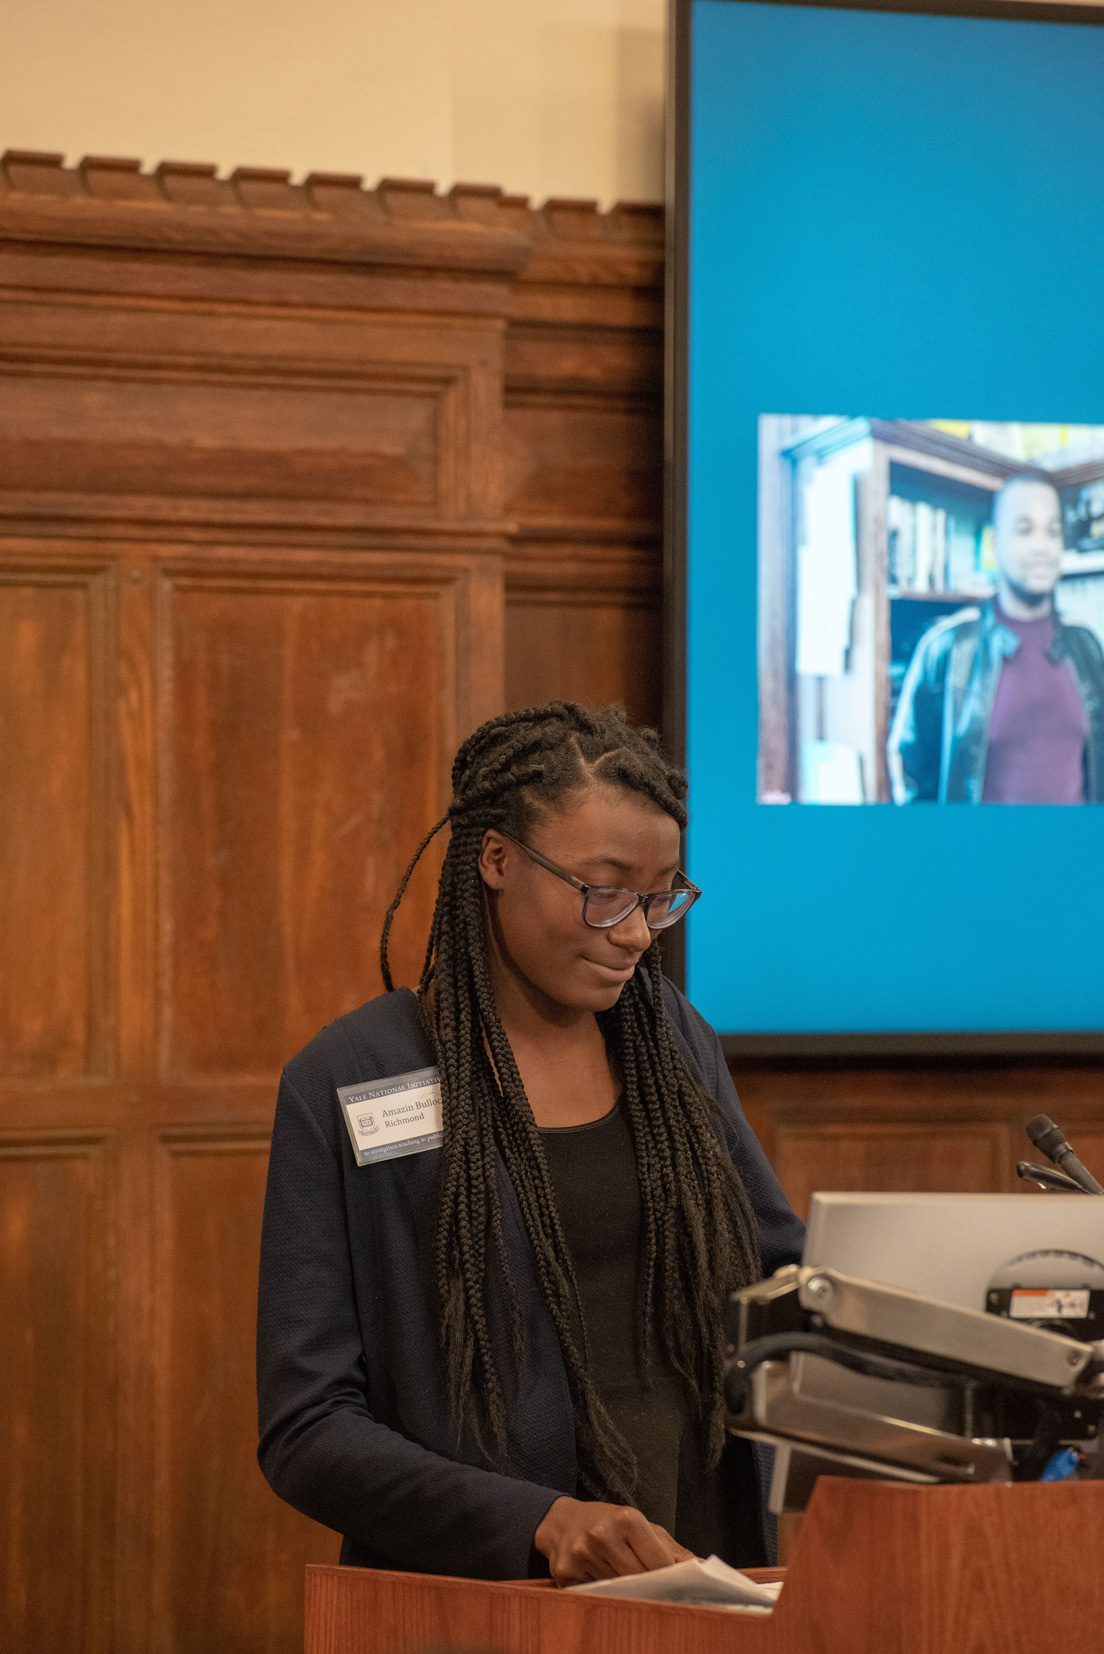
(59,1300)
(328,223)
(146,432)
(140,1102)
(255,407)
(584,473)
(57,1422)
(1089,1144)
(333,360)
(138,780)
(309,717)
(593,634)
(251,466)
(915,1125)
(54,833)
(893,1157)
(588,455)
(228,1557)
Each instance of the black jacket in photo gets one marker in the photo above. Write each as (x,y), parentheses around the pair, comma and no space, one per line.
(939,742)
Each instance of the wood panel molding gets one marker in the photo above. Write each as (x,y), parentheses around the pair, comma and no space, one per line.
(916,1125)
(583,415)
(239,428)
(56,656)
(219,1531)
(257,212)
(296,774)
(57,1424)
(478,369)
(908,1156)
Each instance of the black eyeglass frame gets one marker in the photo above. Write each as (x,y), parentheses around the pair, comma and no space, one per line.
(687,888)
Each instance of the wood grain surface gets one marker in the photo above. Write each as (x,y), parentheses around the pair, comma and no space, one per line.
(877,1570)
(916,1125)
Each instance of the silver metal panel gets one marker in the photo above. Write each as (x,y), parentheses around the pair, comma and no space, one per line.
(891,1316)
(938,1409)
(778,1408)
(797,1467)
(947,1247)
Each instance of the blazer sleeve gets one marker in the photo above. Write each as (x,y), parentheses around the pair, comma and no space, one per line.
(781,1231)
(320,1447)
(915,746)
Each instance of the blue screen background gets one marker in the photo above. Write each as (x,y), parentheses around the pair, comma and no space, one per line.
(902,216)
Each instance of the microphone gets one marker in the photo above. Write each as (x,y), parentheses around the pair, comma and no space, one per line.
(1050,1140)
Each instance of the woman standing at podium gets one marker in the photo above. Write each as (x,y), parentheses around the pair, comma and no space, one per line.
(490,1340)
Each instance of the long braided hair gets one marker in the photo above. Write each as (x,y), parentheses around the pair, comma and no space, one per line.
(698,1240)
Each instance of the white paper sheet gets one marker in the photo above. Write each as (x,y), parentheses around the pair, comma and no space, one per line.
(711,1582)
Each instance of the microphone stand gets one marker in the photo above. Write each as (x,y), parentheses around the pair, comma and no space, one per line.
(1048,1178)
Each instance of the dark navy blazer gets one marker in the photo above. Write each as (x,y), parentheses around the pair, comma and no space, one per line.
(354,1423)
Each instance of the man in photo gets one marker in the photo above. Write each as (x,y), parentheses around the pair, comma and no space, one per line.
(1004,703)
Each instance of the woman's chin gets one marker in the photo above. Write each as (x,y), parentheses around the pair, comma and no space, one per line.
(600,986)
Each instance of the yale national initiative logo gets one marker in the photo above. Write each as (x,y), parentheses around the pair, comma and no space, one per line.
(366,1125)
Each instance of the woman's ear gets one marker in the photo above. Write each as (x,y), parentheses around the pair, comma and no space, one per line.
(492,859)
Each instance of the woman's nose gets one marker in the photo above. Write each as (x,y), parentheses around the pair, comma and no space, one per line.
(633,932)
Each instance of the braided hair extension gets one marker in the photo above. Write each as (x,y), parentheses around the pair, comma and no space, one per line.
(698,1228)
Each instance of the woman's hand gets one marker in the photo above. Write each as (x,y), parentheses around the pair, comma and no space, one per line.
(583,1540)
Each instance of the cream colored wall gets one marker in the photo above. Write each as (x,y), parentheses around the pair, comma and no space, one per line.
(545,97)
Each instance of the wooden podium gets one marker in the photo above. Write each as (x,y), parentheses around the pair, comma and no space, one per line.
(878,1568)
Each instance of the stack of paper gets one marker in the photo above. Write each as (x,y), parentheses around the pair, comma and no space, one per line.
(712,1583)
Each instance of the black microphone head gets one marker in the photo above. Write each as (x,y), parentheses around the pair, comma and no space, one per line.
(1046,1136)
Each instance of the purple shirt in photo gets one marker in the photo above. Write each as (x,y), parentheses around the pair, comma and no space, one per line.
(1039,725)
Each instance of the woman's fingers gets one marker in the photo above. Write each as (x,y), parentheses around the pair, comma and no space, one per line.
(654,1545)
(621,1542)
(585,1539)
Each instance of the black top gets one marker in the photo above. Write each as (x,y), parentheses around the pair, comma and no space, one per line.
(593,1170)
(356,1429)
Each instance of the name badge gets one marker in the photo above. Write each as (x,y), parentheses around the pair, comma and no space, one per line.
(389,1118)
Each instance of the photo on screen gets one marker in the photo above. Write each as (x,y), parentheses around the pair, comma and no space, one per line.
(931,611)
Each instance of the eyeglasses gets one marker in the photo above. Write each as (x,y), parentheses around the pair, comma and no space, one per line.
(606,905)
